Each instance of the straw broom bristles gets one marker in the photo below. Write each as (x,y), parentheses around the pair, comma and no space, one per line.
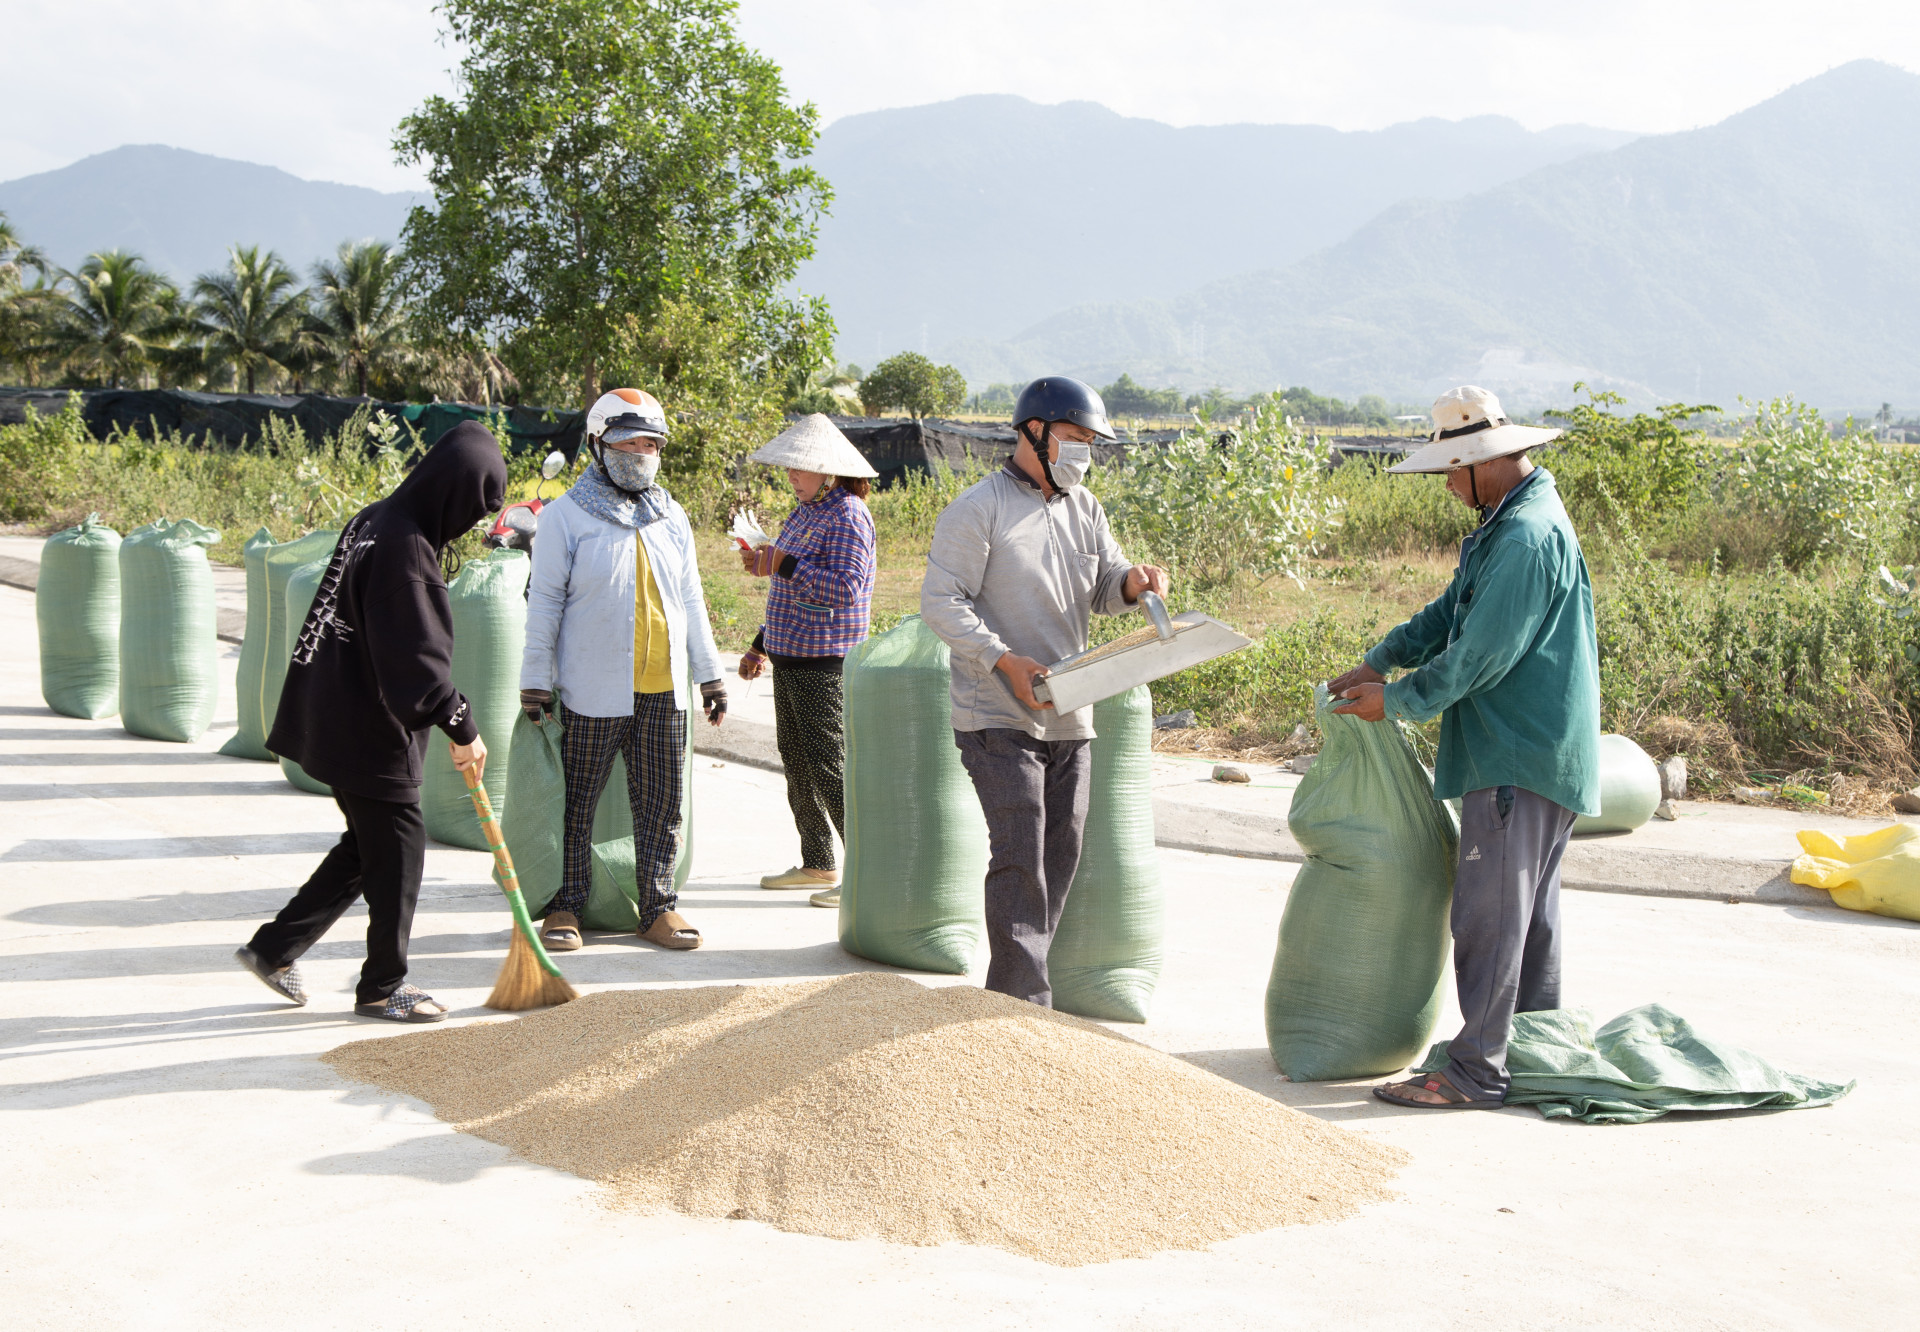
(528,978)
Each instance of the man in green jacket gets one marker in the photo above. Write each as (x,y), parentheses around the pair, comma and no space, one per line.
(1506,658)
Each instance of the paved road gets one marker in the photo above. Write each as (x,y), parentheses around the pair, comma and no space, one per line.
(176,1156)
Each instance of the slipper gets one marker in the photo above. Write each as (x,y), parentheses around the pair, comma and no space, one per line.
(798,877)
(284,981)
(670,930)
(830,898)
(403,1005)
(560,932)
(1454,1099)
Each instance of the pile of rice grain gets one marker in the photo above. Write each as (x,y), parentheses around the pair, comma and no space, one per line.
(872,1106)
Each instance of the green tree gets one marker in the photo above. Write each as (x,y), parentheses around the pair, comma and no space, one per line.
(252,319)
(1124,397)
(360,312)
(601,159)
(914,385)
(26,310)
(119,320)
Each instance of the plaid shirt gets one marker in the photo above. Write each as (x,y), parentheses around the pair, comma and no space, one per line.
(822,608)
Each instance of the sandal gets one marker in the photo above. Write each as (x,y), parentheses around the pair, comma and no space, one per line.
(1452,1098)
(560,932)
(801,877)
(403,1005)
(670,930)
(284,981)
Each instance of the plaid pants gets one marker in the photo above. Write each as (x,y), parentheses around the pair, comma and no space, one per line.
(653,741)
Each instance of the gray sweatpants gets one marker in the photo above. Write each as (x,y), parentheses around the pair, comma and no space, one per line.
(1034,794)
(1506,926)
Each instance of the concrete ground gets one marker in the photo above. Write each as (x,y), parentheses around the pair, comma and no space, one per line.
(176,1156)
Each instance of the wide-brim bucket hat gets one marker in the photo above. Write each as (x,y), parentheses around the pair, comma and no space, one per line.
(813,443)
(1469,427)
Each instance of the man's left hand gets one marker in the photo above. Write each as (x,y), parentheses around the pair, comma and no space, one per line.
(1145,578)
(713,697)
(1368,702)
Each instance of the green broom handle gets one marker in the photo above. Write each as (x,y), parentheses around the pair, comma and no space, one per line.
(509,881)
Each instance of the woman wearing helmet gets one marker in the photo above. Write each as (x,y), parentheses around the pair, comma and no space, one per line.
(616,627)
(817,610)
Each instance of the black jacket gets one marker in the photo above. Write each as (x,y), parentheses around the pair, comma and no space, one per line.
(372,670)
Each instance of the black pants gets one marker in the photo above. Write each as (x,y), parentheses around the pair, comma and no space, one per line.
(379,857)
(1506,926)
(808,713)
(1034,794)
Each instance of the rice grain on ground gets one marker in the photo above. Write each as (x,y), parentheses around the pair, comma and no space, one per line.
(872,1106)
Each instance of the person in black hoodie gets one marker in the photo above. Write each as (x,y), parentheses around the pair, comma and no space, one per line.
(371,674)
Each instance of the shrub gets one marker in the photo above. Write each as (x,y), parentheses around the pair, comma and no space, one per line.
(39,460)
(1383,514)
(1652,464)
(1830,495)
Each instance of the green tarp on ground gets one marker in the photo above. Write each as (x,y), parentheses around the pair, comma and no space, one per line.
(76,604)
(1646,1063)
(1106,953)
(302,585)
(249,739)
(536,811)
(489,603)
(1357,974)
(913,892)
(169,640)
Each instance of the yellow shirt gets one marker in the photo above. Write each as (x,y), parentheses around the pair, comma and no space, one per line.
(652,662)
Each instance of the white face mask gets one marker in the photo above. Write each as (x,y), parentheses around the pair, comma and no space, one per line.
(1070,468)
(631,471)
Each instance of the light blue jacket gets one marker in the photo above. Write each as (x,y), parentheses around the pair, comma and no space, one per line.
(580,608)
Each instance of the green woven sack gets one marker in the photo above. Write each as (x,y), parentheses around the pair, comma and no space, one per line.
(249,740)
(281,561)
(1106,954)
(1629,788)
(303,584)
(169,640)
(536,814)
(77,606)
(489,632)
(913,892)
(1356,984)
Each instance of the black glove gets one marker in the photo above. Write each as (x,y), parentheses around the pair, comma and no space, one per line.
(536,703)
(713,697)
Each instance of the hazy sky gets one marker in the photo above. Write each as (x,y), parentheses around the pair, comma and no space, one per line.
(315,86)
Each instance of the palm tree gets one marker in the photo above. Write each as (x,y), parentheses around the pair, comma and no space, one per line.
(251,318)
(25,311)
(360,311)
(118,319)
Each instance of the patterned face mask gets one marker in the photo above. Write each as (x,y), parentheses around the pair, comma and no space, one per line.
(630,471)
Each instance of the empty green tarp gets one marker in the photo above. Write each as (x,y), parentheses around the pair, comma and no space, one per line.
(1646,1063)
(76,604)
(302,584)
(489,630)
(169,641)
(536,812)
(1356,983)
(913,892)
(1106,954)
(249,739)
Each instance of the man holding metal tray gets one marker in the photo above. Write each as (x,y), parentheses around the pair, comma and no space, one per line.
(1020,562)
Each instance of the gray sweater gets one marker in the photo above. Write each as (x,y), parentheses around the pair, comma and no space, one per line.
(1010,572)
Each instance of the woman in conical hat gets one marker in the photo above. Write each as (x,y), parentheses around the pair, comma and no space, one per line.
(818,608)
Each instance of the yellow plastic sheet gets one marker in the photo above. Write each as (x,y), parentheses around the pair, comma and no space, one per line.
(1877,871)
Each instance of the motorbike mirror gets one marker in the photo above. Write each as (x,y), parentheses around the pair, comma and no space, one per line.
(551,467)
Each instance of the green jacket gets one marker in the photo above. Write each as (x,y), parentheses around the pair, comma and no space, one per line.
(1506,655)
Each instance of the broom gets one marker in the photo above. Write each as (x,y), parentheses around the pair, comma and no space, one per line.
(529,979)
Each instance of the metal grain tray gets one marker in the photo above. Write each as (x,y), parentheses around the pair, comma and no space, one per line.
(1149,653)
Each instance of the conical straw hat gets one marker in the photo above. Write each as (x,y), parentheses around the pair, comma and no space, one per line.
(814,444)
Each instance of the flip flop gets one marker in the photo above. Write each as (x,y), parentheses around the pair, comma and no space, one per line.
(283,981)
(403,1005)
(560,932)
(670,930)
(1454,1099)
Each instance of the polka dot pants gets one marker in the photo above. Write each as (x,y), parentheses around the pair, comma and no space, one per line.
(808,724)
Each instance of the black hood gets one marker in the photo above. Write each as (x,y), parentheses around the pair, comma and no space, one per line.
(462,479)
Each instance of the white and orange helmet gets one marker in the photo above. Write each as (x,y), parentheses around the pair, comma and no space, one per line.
(624,413)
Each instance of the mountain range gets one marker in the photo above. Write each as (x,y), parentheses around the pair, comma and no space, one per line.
(1775,252)
(180,210)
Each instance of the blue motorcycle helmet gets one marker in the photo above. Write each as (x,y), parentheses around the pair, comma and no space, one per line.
(1057,399)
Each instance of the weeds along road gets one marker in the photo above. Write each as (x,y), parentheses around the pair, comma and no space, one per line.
(175,1154)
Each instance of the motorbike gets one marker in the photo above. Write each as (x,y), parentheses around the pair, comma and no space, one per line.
(519,521)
